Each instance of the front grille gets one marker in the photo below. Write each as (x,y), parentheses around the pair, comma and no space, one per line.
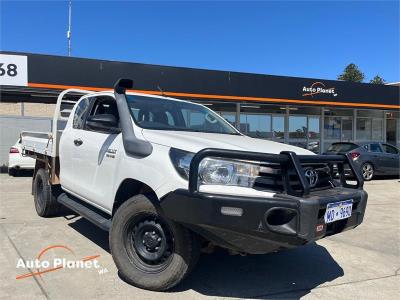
(270,178)
(292,181)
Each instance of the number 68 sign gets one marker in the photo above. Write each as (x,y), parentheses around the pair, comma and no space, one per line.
(13,70)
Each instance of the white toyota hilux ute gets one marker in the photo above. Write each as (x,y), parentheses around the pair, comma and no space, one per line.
(168,177)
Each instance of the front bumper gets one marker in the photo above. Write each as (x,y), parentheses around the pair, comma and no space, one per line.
(267,224)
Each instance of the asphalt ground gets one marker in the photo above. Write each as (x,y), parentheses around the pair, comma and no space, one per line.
(363,263)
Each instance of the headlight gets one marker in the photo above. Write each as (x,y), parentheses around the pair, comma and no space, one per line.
(181,161)
(216,171)
(228,172)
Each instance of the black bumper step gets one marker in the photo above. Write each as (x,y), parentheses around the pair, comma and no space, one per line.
(85,210)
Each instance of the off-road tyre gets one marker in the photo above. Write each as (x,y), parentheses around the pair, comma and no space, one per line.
(149,250)
(45,195)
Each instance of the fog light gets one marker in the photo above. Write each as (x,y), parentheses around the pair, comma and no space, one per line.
(231,211)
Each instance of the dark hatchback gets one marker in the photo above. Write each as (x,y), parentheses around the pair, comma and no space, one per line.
(372,158)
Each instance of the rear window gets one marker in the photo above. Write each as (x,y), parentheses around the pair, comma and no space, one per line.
(342,147)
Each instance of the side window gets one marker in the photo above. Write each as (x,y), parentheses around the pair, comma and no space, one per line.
(104,106)
(375,148)
(80,112)
(390,149)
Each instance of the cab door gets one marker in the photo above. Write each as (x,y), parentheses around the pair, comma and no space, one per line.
(67,147)
(95,156)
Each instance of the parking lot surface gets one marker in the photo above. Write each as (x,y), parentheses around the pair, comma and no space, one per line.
(359,264)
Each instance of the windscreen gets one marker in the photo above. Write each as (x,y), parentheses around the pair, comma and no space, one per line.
(164,114)
(342,147)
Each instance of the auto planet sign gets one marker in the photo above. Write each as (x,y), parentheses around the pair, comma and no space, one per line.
(318,88)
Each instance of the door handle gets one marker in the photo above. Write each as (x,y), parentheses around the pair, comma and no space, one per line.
(78,142)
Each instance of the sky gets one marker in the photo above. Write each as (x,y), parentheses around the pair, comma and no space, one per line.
(314,39)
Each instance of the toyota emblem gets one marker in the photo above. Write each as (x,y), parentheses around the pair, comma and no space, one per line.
(312,177)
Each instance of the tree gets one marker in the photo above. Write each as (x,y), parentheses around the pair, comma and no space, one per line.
(377,80)
(352,73)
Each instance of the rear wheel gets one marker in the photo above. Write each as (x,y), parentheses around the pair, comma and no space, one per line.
(367,170)
(150,251)
(45,195)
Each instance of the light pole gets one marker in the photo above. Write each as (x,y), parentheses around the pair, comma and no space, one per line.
(69,27)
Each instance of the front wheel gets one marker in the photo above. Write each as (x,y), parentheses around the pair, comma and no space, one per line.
(367,170)
(150,251)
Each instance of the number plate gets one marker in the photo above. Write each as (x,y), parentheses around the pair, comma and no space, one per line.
(338,211)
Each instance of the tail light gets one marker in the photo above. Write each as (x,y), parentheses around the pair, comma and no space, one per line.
(354,155)
(14,150)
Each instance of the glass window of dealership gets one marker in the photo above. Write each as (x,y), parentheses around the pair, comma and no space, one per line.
(311,127)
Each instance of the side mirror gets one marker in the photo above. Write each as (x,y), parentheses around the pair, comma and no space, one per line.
(106,123)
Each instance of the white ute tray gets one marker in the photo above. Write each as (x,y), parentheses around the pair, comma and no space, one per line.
(38,142)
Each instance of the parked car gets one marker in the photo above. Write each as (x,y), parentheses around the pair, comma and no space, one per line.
(17,161)
(371,158)
(167,177)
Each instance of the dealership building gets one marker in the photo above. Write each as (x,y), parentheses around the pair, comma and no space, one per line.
(311,113)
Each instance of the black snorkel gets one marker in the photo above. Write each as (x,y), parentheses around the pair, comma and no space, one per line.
(132,144)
